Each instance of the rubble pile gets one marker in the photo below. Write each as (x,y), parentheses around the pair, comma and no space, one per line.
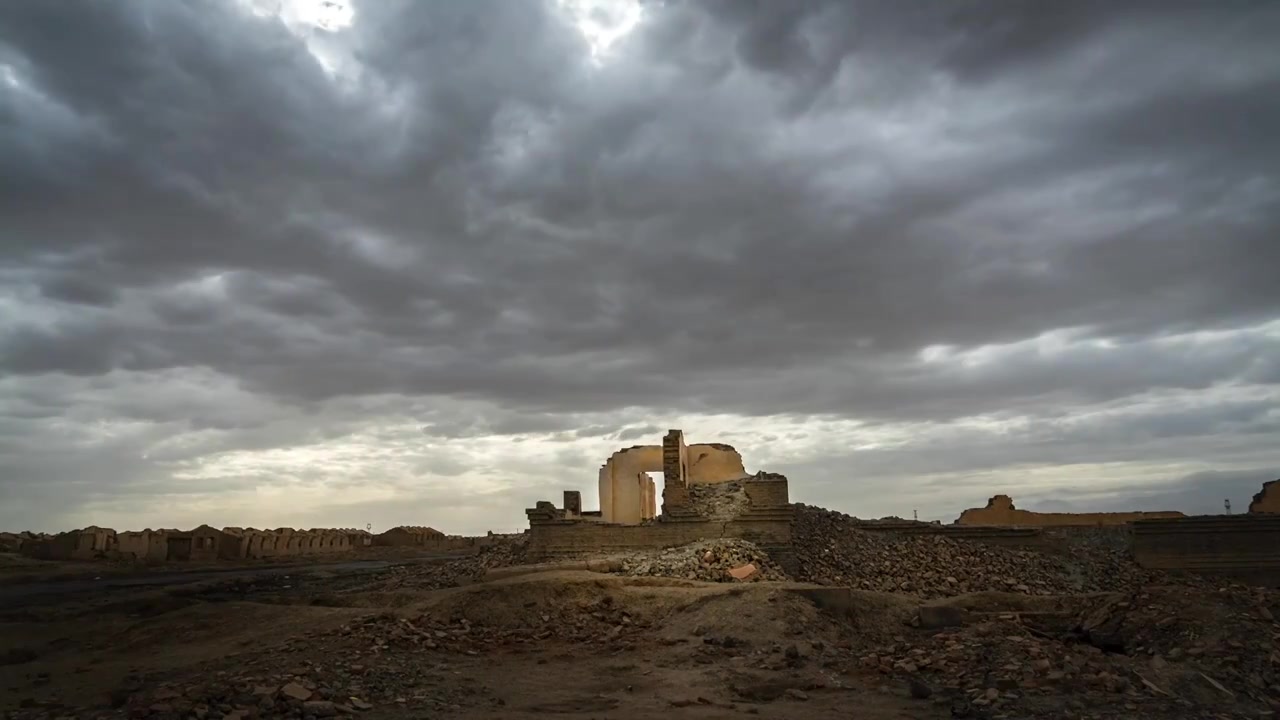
(718,501)
(1230,633)
(720,560)
(1157,653)
(831,549)
(1003,668)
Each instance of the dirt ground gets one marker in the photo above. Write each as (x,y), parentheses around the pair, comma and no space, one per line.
(560,643)
(181,650)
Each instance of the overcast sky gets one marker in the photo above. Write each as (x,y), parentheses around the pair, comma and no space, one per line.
(405,261)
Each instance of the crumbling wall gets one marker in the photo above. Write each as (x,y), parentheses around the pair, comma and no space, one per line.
(145,546)
(1000,511)
(569,539)
(1243,547)
(1268,499)
(713,463)
(766,522)
(406,535)
(623,495)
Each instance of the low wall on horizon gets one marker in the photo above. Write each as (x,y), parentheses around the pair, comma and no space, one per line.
(1001,511)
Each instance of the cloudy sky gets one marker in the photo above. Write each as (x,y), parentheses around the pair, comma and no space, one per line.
(306,263)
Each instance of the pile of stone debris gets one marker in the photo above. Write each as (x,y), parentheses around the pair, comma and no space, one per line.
(1163,652)
(832,549)
(720,560)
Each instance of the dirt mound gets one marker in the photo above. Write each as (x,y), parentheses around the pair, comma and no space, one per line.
(831,548)
(708,560)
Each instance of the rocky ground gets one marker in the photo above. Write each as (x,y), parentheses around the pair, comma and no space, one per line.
(833,549)
(721,560)
(877,624)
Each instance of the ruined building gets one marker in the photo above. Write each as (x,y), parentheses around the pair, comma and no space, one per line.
(1268,498)
(628,495)
(1000,511)
(628,517)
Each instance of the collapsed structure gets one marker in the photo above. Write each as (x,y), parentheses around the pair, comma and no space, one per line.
(628,517)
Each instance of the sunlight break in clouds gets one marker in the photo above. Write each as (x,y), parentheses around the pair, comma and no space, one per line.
(602,22)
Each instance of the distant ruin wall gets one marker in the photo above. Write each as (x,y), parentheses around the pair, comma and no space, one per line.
(1000,511)
(1268,499)
(1242,547)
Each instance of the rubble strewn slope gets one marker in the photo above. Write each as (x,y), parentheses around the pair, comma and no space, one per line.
(832,549)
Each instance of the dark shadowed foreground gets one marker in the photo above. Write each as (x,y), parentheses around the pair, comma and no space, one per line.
(666,634)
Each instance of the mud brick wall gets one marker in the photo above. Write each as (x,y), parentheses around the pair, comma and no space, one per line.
(1242,547)
(1001,511)
(991,535)
(767,493)
(555,540)
(1115,537)
(1268,499)
(573,502)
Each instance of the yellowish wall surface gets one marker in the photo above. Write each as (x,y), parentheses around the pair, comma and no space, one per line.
(1268,499)
(622,493)
(713,463)
(1000,511)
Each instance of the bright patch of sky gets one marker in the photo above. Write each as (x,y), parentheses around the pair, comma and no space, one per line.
(602,22)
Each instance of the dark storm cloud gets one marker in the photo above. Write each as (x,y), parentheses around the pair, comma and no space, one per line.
(746,207)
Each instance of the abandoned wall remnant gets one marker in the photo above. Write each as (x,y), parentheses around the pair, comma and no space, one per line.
(406,535)
(144,545)
(90,543)
(1000,511)
(572,502)
(1268,498)
(766,521)
(714,463)
(1244,547)
(628,499)
(623,495)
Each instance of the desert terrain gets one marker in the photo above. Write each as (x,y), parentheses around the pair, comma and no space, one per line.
(872,625)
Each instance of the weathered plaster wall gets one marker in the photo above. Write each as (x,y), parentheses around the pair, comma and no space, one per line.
(623,495)
(714,463)
(146,545)
(1000,511)
(1268,499)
